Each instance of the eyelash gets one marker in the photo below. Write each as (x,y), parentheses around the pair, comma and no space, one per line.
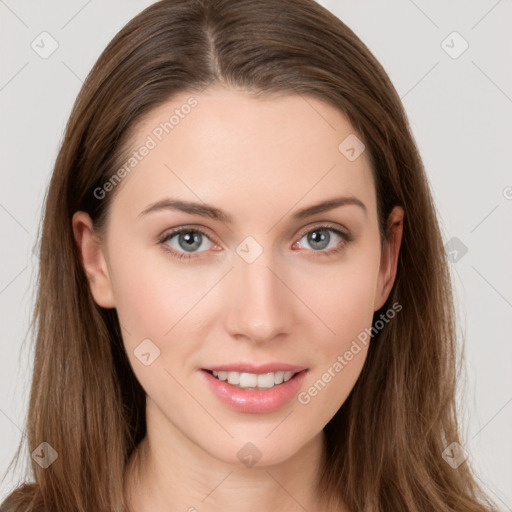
(346,238)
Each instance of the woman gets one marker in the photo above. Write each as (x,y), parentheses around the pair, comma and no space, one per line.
(221,160)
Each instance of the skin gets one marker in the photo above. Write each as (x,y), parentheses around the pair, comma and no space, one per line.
(260,160)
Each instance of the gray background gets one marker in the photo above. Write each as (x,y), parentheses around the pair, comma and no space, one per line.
(459,107)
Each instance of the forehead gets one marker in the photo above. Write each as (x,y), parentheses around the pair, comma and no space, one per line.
(230,147)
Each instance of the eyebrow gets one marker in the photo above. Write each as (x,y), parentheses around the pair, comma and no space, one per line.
(206,210)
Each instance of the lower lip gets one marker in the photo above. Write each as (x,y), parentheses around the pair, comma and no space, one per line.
(255,401)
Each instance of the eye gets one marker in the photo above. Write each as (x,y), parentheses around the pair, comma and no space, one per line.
(185,242)
(320,238)
(188,240)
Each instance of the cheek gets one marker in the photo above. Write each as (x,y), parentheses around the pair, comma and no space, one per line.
(341,296)
(164,302)
(152,310)
(344,300)
(144,302)
(151,293)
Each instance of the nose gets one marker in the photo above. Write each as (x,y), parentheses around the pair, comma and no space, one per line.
(261,307)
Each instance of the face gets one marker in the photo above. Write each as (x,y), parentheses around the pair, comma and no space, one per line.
(244,280)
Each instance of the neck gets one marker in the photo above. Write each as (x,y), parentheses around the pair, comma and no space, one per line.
(169,472)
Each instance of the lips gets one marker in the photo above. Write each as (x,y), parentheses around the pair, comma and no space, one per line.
(251,400)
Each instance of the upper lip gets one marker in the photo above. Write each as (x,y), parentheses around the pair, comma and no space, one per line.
(252,368)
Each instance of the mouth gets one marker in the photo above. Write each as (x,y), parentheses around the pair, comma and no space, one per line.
(250,389)
(254,381)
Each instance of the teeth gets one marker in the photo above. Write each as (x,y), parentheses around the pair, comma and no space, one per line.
(253,380)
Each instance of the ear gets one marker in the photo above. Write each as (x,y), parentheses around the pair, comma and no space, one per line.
(93,260)
(389,257)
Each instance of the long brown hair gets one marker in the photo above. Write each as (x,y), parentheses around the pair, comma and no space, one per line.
(385,444)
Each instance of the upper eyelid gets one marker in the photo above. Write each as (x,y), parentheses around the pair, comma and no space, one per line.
(181,229)
(324,225)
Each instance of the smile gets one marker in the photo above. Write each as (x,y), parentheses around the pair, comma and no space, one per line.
(254,392)
(254,380)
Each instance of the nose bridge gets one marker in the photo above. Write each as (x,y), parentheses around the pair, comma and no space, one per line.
(260,305)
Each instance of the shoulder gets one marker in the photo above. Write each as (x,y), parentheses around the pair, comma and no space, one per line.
(22,499)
